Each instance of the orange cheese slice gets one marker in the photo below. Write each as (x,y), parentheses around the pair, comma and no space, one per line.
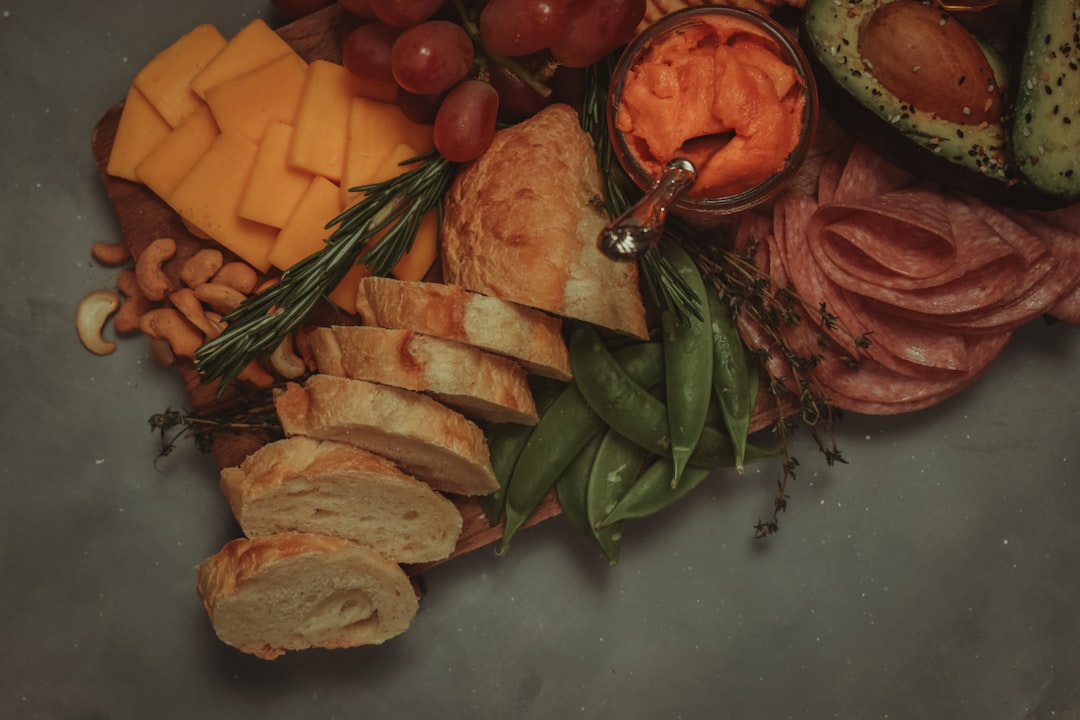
(415,264)
(274,187)
(250,102)
(375,132)
(209,194)
(174,157)
(165,81)
(139,130)
(322,119)
(253,46)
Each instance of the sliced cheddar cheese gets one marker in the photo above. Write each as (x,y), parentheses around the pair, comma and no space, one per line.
(209,194)
(250,102)
(416,263)
(375,132)
(322,120)
(174,157)
(274,187)
(165,81)
(253,46)
(140,129)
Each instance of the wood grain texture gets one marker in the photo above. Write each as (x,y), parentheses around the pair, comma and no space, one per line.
(143,217)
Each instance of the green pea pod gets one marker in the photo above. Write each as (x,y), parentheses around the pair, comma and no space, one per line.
(733,381)
(688,358)
(507,440)
(572,486)
(614,470)
(562,432)
(613,393)
(652,491)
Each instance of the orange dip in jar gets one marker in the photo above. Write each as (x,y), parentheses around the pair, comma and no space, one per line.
(722,87)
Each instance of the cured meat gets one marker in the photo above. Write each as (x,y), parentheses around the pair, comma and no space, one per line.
(909,293)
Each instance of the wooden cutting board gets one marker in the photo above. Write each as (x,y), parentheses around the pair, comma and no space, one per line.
(143,217)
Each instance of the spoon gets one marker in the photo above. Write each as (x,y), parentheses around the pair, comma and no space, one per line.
(640,227)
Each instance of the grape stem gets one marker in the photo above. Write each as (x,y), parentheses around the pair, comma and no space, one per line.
(485,56)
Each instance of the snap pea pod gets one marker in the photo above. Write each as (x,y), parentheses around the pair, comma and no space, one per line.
(652,491)
(507,440)
(572,486)
(688,358)
(734,377)
(614,470)
(562,432)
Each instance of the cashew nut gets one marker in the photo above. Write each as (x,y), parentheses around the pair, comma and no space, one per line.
(169,324)
(255,374)
(220,298)
(153,282)
(238,275)
(90,317)
(162,353)
(195,229)
(201,266)
(110,253)
(185,301)
(302,342)
(285,361)
(134,305)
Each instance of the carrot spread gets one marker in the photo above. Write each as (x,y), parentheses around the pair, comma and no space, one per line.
(718,75)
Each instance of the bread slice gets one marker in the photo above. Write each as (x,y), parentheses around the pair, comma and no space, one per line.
(423,437)
(531,337)
(294,591)
(522,224)
(478,384)
(300,484)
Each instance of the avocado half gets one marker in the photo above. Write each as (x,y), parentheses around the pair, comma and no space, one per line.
(972,157)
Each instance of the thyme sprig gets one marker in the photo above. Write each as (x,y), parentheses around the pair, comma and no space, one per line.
(375,231)
(668,289)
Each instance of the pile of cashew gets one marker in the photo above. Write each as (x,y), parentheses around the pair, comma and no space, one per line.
(178,320)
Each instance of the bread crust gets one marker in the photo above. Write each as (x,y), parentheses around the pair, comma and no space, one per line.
(522,224)
(478,384)
(526,335)
(423,437)
(300,484)
(293,591)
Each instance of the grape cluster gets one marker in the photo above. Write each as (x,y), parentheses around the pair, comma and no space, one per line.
(462,66)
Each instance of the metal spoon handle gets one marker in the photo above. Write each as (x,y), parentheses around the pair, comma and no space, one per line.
(639,228)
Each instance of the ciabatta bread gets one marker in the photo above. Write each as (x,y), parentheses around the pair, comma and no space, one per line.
(423,437)
(478,384)
(522,224)
(530,337)
(300,484)
(294,591)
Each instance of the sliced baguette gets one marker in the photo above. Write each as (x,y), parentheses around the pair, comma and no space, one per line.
(529,336)
(294,591)
(423,437)
(522,224)
(300,484)
(478,384)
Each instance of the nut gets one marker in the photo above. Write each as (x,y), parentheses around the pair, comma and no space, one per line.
(161,353)
(134,305)
(153,282)
(285,361)
(185,301)
(169,324)
(93,311)
(110,253)
(238,275)
(220,298)
(201,266)
(195,229)
(255,374)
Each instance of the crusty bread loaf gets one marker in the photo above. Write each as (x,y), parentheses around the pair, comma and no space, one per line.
(423,437)
(300,484)
(293,591)
(522,224)
(531,337)
(479,384)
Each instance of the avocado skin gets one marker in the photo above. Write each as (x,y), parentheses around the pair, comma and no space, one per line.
(880,136)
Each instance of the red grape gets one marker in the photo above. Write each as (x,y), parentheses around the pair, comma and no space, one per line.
(520,27)
(465,123)
(596,28)
(404,13)
(360,8)
(366,51)
(421,109)
(431,57)
(517,100)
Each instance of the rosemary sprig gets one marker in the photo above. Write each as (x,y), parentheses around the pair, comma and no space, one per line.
(668,290)
(392,208)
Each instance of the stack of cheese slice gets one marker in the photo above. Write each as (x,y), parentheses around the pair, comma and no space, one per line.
(258,148)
